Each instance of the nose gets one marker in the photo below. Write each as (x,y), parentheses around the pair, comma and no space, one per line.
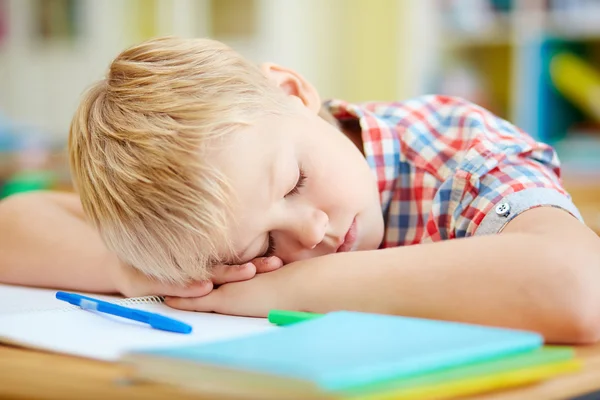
(309,227)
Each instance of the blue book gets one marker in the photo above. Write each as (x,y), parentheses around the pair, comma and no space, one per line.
(337,352)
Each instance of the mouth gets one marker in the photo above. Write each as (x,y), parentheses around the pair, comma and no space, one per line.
(349,239)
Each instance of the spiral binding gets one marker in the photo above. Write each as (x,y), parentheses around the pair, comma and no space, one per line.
(140,300)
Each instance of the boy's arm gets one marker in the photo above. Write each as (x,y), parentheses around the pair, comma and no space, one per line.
(542,273)
(45,241)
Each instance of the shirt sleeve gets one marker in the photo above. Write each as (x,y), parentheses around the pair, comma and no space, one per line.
(493,171)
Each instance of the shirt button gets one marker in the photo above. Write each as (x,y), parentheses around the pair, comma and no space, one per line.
(503,209)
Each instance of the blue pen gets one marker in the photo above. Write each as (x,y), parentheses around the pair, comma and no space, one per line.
(156,321)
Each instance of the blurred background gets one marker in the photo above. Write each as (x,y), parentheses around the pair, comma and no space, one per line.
(534,62)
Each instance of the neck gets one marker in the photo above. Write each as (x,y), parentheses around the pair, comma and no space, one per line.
(351,128)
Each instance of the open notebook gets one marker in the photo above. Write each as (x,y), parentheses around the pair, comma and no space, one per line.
(34,318)
(339,354)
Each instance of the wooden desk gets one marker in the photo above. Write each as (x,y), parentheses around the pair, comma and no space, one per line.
(31,374)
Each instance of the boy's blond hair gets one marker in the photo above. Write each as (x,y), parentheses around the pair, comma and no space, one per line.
(138,152)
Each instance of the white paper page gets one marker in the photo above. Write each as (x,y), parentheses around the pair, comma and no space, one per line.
(96,335)
(16,299)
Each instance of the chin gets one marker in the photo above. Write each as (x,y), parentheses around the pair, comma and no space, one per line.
(370,246)
(368,242)
(373,237)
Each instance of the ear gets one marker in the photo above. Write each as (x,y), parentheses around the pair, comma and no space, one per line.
(293,84)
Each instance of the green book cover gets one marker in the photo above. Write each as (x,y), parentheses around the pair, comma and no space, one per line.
(542,356)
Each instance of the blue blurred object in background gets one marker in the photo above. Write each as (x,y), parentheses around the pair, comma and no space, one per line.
(24,154)
(7,137)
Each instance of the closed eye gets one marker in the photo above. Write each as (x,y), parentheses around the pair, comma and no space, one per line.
(299,184)
(271,247)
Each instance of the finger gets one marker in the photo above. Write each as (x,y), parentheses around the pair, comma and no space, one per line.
(267,264)
(195,289)
(206,303)
(233,273)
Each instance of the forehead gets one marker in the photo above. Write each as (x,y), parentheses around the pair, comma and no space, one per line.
(249,153)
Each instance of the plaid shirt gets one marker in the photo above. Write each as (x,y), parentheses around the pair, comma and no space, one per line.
(447,168)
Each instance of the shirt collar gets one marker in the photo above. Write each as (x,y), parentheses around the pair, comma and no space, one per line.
(381,145)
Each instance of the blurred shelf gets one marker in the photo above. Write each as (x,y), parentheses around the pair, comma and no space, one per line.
(460,40)
(520,26)
(582,34)
(574,25)
(498,31)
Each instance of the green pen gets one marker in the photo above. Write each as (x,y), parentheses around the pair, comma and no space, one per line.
(285,317)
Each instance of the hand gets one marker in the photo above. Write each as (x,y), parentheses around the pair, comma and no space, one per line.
(321,284)
(133,283)
(252,298)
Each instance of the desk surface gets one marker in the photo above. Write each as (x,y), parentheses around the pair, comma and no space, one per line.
(32,374)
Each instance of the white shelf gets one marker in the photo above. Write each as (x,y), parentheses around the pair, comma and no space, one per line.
(575,25)
(496,31)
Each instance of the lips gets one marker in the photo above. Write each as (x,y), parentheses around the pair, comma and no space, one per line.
(349,239)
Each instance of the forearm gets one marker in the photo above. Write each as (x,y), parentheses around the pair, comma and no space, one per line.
(517,280)
(45,241)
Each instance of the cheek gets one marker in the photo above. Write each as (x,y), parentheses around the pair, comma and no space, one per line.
(338,183)
(339,173)
(291,257)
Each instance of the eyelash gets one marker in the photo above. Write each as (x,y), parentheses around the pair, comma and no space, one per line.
(299,184)
(271,247)
(294,191)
